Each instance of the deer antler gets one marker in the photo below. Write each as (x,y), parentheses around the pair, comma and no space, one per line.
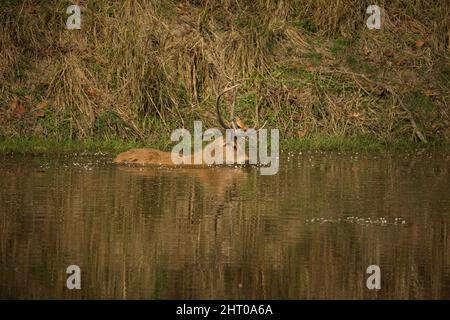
(219,115)
(235,122)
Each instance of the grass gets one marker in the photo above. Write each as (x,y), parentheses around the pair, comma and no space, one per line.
(39,146)
(138,70)
(360,144)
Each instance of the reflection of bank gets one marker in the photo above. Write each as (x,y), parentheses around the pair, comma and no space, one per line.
(226,233)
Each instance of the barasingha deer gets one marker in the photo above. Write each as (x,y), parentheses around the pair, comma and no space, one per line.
(148,156)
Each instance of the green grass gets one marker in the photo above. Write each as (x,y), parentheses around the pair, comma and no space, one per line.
(342,45)
(35,146)
(359,144)
(305,26)
(50,146)
(419,102)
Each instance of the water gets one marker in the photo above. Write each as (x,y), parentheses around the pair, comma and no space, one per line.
(309,232)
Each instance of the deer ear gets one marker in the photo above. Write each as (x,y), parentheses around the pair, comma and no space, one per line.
(241,124)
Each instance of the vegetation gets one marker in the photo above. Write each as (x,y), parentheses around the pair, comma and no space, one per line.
(36,146)
(139,69)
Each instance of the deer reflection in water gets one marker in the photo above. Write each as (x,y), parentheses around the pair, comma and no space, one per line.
(220,185)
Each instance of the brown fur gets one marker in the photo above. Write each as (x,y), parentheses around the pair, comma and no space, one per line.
(149,156)
(144,156)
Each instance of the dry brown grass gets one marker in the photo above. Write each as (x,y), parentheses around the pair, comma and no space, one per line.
(138,69)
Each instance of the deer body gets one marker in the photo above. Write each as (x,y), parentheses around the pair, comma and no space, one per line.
(144,156)
(148,156)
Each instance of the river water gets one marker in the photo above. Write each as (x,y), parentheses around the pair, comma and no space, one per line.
(308,232)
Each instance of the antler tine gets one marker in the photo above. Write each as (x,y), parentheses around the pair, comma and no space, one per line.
(219,115)
(232,118)
(229,88)
(259,128)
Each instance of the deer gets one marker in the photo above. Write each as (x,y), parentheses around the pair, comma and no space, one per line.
(149,156)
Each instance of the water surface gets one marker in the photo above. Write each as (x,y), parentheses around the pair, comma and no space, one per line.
(308,232)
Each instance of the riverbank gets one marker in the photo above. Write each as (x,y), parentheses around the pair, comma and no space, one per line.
(138,70)
(38,146)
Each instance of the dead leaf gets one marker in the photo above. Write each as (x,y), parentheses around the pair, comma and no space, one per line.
(13,105)
(430,93)
(182,9)
(389,53)
(366,50)
(401,62)
(20,111)
(41,105)
(39,114)
(378,91)
(301,133)
(39,109)
(92,92)
(419,43)
(31,9)
(17,109)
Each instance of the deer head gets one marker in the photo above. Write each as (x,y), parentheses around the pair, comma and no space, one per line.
(234,123)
